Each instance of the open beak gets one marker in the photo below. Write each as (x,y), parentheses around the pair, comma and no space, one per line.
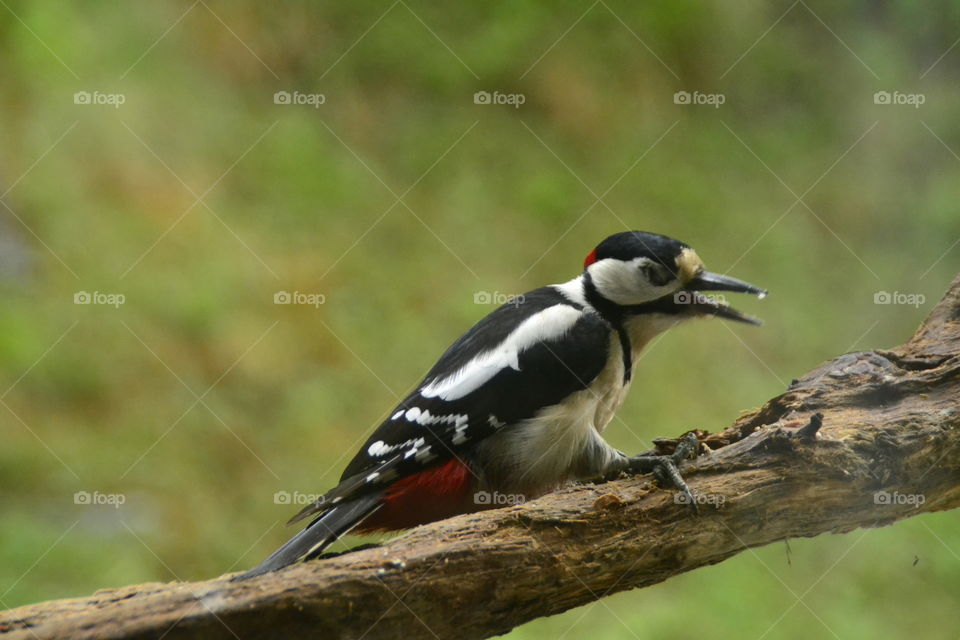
(701,305)
(704,304)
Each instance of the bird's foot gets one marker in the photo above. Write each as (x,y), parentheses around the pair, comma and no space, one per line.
(665,468)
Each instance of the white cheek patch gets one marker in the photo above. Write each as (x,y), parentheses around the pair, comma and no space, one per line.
(623,282)
(549,324)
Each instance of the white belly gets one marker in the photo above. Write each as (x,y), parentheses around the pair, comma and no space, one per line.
(559,444)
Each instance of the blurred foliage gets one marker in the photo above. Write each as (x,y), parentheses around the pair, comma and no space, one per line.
(398,199)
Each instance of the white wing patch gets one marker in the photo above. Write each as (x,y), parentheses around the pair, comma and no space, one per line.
(460,435)
(380,448)
(549,324)
(425,418)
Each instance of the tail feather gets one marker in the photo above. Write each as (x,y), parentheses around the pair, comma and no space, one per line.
(326,528)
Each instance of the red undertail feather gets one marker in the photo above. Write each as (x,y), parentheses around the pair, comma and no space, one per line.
(432,494)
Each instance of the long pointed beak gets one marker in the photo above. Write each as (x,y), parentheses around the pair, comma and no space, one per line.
(707,305)
(707,281)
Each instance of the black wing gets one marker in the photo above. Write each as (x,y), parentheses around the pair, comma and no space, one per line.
(426,428)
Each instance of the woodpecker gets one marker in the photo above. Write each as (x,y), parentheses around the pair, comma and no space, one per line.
(517,405)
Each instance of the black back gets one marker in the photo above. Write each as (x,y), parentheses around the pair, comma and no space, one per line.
(548,372)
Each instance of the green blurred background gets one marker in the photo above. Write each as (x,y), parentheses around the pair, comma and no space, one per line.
(199,198)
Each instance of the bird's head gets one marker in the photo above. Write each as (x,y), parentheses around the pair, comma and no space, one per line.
(637,273)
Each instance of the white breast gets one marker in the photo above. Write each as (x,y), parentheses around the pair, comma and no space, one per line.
(608,387)
(561,442)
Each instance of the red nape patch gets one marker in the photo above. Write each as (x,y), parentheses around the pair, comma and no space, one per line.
(590,259)
(427,496)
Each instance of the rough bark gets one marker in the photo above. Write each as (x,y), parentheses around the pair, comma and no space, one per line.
(887,450)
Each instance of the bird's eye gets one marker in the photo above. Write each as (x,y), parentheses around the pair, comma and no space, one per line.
(656,274)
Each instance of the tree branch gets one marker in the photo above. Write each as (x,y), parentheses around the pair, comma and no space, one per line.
(886,450)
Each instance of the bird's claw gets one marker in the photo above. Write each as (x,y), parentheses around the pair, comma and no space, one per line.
(665,468)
